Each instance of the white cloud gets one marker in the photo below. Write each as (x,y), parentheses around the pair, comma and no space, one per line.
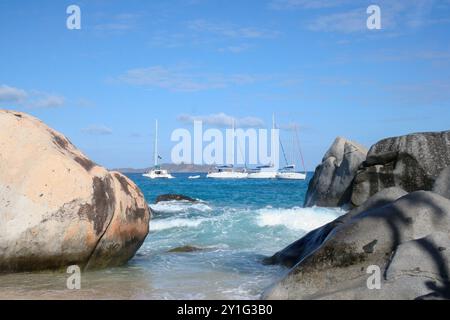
(207,34)
(231,30)
(182,79)
(12,95)
(44,100)
(119,23)
(305,4)
(97,130)
(346,22)
(235,49)
(411,55)
(29,99)
(223,120)
(395,15)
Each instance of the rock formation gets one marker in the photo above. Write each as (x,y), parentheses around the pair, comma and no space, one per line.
(442,184)
(332,181)
(301,248)
(174,197)
(57,207)
(408,240)
(412,162)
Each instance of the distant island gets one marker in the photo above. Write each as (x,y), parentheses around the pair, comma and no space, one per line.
(176,168)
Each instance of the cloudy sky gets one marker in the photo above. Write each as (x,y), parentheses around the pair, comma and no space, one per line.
(313,63)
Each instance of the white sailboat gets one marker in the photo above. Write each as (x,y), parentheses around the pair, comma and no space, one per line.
(289,172)
(156,172)
(265,171)
(227,172)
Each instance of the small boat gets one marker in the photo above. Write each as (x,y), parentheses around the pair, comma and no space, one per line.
(194,177)
(156,172)
(263,172)
(227,172)
(289,173)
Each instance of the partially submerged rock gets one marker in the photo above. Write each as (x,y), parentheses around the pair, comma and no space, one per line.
(185,249)
(57,207)
(174,197)
(297,251)
(332,181)
(407,239)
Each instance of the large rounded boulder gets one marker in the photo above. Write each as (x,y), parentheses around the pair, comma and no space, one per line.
(297,251)
(332,181)
(57,207)
(412,162)
(399,250)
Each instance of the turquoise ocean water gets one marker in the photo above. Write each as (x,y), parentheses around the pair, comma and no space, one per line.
(235,224)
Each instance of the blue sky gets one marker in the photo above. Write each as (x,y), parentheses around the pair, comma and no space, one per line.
(311,62)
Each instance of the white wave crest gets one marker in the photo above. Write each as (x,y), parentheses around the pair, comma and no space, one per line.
(297,218)
(179,207)
(162,224)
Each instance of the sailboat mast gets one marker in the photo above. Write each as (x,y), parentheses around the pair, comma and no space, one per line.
(300,148)
(156,143)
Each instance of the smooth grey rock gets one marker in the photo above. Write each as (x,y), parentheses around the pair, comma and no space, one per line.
(338,268)
(428,258)
(331,184)
(442,183)
(301,248)
(412,162)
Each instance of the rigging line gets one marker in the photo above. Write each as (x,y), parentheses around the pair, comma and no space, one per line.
(239,145)
(284,153)
(282,147)
(281,143)
(299,148)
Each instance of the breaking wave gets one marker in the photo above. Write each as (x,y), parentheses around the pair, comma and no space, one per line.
(297,218)
(179,207)
(162,224)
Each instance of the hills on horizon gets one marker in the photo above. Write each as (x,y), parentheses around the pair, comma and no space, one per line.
(176,168)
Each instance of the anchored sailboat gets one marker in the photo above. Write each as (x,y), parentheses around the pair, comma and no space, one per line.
(267,171)
(289,172)
(156,172)
(228,171)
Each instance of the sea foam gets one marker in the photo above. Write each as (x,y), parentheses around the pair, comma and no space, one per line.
(162,224)
(305,219)
(179,207)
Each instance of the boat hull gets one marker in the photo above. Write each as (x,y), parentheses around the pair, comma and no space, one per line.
(291,176)
(160,175)
(227,175)
(262,175)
